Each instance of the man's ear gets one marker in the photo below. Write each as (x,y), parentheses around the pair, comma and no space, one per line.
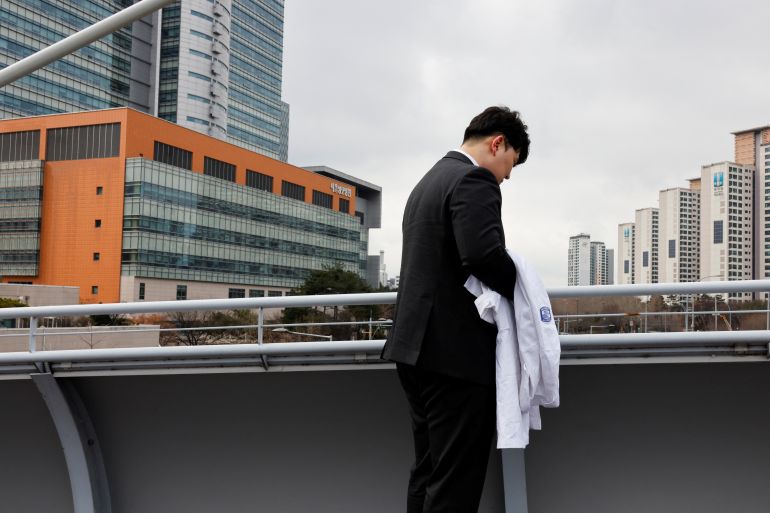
(494,144)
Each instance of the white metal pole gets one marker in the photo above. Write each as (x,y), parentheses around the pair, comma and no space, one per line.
(80,39)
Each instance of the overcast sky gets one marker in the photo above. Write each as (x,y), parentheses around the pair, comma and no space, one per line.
(623,98)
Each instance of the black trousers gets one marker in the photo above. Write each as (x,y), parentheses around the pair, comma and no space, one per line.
(453,422)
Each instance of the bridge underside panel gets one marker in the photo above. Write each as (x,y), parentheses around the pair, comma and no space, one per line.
(331,441)
(630,438)
(664,438)
(33,473)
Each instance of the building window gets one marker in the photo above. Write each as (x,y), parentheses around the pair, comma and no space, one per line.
(645,258)
(219,169)
(94,289)
(274,293)
(360,216)
(15,146)
(172,155)
(322,199)
(256,293)
(181,292)
(99,190)
(236,293)
(718,232)
(671,249)
(83,142)
(141,291)
(97,223)
(97,257)
(344,205)
(259,181)
(292,190)
(626,266)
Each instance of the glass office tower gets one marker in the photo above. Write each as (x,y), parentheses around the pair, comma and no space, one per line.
(211,65)
(112,72)
(221,71)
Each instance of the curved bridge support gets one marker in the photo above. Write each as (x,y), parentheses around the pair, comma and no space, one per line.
(88,478)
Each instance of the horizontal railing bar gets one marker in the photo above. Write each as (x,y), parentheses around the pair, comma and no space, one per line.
(181,352)
(568,342)
(660,289)
(649,314)
(664,351)
(667,339)
(375,298)
(130,329)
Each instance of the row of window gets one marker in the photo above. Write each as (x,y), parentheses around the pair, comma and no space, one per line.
(190,200)
(181,292)
(219,235)
(192,262)
(179,157)
(83,142)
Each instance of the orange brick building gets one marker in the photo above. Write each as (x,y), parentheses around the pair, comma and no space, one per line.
(130,207)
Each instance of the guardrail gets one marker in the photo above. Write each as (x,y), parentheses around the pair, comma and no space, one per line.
(731,344)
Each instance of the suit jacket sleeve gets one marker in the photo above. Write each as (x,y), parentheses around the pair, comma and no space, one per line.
(478,230)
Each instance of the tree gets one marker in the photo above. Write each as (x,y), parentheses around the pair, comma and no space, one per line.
(205,319)
(6,302)
(332,280)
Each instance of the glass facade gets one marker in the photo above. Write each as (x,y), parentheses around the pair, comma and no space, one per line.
(187,226)
(219,71)
(21,194)
(110,72)
(255,110)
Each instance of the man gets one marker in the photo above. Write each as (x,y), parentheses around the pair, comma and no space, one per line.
(444,352)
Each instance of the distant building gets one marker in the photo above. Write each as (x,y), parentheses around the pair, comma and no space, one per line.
(626,252)
(727,197)
(579,260)
(599,269)
(376,276)
(587,261)
(752,150)
(129,207)
(679,230)
(368,210)
(646,246)
(610,267)
(214,66)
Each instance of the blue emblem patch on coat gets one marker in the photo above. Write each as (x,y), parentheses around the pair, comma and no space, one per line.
(545,314)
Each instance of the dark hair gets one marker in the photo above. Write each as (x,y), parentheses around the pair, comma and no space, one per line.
(501,120)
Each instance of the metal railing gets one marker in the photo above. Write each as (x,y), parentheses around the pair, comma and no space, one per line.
(262,355)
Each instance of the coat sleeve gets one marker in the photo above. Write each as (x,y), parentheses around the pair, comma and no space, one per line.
(478,231)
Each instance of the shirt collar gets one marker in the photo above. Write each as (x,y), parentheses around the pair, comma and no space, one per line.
(473,161)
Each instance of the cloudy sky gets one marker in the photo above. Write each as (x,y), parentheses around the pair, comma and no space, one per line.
(623,98)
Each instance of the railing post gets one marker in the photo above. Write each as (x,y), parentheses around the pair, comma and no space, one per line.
(260,334)
(32,334)
(260,325)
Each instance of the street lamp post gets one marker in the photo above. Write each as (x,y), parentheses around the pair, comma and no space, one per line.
(284,330)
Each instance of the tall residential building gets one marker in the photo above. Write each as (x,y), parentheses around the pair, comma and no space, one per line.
(626,232)
(679,234)
(646,246)
(130,207)
(726,234)
(610,267)
(579,260)
(214,66)
(599,271)
(587,261)
(752,148)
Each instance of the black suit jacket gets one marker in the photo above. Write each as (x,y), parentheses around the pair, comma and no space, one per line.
(451,229)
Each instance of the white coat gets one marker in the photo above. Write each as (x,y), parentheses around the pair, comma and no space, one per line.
(527,353)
